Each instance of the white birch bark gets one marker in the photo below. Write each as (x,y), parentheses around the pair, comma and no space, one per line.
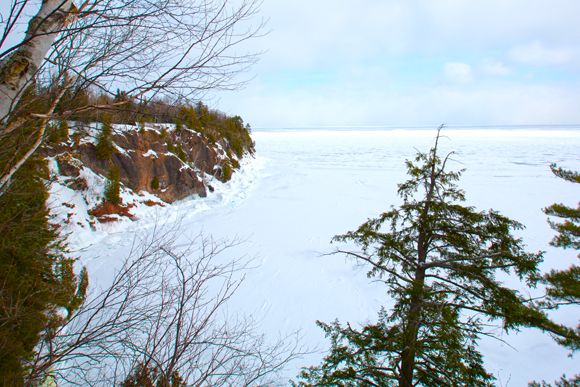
(18,69)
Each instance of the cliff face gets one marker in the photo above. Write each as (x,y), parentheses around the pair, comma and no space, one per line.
(171,164)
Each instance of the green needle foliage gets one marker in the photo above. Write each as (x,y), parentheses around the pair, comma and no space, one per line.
(180,153)
(563,382)
(58,135)
(226,171)
(563,286)
(439,261)
(39,290)
(105,148)
(155,183)
(113,185)
(170,147)
(568,231)
(144,376)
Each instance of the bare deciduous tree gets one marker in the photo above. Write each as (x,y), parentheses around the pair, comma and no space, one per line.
(166,309)
(149,48)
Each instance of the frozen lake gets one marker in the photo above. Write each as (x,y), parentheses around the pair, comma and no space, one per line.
(307,185)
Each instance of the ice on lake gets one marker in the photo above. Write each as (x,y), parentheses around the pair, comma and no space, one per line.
(307,185)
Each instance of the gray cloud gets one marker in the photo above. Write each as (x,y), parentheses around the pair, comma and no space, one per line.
(377,62)
(410,62)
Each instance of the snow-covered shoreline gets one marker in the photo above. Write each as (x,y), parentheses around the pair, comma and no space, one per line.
(83,231)
(306,186)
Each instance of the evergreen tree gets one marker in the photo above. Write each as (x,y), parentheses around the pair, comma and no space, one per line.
(180,153)
(54,136)
(141,124)
(143,376)
(439,260)
(163,133)
(188,116)
(37,281)
(126,108)
(179,125)
(210,136)
(563,286)
(105,148)
(113,185)
(226,171)
(563,382)
(170,147)
(63,130)
(155,183)
(59,134)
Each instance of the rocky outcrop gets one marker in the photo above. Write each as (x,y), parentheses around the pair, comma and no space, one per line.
(158,159)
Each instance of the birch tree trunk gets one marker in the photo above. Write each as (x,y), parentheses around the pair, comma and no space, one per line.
(18,69)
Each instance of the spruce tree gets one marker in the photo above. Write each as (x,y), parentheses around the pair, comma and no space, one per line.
(58,135)
(563,382)
(105,148)
(563,286)
(188,116)
(226,171)
(143,376)
(113,185)
(439,260)
(155,183)
(63,130)
(180,153)
(170,146)
(141,124)
(37,281)
(178,125)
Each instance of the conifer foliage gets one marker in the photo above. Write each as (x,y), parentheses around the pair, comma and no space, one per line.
(569,231)
(438,260)
(564,285)
(113,185)
(37,281)
(59,134)
(155,183)
(105,148)
(144,376)
(563,382)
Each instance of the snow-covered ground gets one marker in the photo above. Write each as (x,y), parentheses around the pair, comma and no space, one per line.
(308,185)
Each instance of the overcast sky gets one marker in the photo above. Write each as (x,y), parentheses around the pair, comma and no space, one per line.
(414,62)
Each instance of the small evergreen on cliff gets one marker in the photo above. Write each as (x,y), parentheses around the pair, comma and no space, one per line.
(212,124)
(113,185)
(105,148)
(170,150)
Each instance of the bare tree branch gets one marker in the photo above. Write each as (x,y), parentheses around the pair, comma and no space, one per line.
(166,308)
(171,49)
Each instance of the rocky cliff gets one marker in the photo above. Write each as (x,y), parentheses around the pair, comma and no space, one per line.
(171,163)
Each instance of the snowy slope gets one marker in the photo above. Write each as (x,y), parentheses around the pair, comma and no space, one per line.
(307,185)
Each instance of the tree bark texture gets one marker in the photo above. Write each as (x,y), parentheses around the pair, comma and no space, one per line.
(17,70)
